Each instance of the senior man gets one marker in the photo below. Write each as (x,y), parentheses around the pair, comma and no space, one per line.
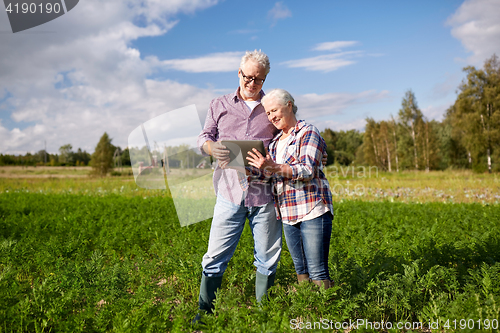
(239,116)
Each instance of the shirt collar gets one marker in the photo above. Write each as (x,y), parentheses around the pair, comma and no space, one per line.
(298,126)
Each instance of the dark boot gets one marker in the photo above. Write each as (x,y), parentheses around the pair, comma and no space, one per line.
(323,283)
(303,277)
(262,284)
(208,287)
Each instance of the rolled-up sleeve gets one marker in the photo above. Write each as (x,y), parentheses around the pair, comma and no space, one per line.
(210,130)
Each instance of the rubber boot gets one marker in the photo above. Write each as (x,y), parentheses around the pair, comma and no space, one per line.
(262,284)
(303,278)
(323,283)
(208,287)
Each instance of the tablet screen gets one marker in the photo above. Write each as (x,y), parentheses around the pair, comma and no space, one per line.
(238,150)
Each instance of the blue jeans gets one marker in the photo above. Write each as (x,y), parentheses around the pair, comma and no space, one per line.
(309,245)
(225,232)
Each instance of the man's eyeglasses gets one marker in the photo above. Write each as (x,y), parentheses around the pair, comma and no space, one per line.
(249,79)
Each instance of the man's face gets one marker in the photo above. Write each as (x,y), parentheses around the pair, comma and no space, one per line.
(251,70)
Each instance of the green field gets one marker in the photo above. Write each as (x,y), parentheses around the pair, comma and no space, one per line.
(100,255)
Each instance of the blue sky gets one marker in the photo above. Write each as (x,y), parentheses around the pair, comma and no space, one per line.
(110,65)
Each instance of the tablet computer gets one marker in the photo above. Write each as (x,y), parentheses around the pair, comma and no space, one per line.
(238,150)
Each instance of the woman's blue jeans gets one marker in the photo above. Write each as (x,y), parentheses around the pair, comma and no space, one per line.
(309,245)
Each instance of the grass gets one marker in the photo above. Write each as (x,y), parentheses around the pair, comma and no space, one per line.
(410,186)
(85,263)
(366,184)
(86,254)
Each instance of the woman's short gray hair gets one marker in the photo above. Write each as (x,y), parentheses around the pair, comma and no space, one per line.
(260,57)
(281,96)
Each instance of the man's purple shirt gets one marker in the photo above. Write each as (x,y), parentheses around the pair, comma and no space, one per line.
(229,118)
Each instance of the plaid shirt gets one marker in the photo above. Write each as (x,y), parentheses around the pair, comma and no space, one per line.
(295,197)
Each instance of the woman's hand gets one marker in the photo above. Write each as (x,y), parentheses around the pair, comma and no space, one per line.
(256,159)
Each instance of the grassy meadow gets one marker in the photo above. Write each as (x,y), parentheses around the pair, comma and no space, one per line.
(347,183)
(419,251)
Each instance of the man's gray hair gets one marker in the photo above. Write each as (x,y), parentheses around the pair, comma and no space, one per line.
(281,96)
(260,57)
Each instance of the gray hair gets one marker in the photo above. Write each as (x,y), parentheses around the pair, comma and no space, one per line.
(281,96)
(260,57)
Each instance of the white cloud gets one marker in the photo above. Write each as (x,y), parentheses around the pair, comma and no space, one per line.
(436,112)
(215,62)
(476,24)
(83,118)
(159,9)
(357,124)
(445,87)
(324,63)
(77,76)
(279,12)
(336,46)
(316,106)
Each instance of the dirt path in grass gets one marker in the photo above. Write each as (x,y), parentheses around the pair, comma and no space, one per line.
(44,172)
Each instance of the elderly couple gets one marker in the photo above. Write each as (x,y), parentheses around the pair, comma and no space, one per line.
(287,185)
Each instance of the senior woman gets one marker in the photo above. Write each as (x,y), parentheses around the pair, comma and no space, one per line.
(302,194)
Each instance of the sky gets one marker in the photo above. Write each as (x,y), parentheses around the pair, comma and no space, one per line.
(108,66)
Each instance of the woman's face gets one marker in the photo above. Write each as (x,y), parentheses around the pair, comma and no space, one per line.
(281,116)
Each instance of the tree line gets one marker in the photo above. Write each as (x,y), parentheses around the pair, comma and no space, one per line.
(66,157)
(106,156)
(468,137)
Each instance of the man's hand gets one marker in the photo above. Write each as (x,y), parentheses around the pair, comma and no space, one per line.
(219,152)
(324,159)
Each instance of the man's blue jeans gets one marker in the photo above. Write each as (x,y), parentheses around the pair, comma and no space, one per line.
(309,245)
(227,226)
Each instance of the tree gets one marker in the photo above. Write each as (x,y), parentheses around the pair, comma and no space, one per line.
(385,137)
(102,158)
(41,156)
(65,154)
(126,157)
(476,113)
(410,119)
(393,127)
(330,138)
(81,157)
(371,148)
(430,144)
(347,142)
(454,152)
(379,144)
